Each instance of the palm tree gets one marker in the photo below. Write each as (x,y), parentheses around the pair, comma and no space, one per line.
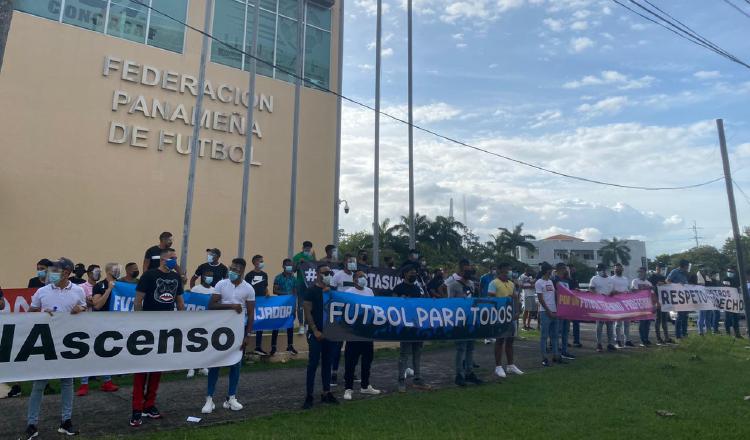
(508,242)
(615,251)
(6,13)
(446,233)
(422,227)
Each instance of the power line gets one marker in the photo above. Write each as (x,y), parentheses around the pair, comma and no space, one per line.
(740,10)
(736,185)
(426,130)
(680,29)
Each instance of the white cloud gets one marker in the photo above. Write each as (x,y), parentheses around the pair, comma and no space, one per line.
(493,66)
(609,106)
(580,25)
(458,36)
(589,234)
(554,25)
(580,44)
(611,77)
(371,7)
(673,220)
(365,67)
(386,52)
(707,74)
(461,45)
(545,118)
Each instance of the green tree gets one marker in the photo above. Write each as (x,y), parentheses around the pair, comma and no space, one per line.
(663,259)
(446,234)
(707,257)
(729,250)
(615,251)
(508,242)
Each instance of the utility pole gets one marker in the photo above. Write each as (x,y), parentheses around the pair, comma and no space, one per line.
(695,233)
(197,116)
(340,88)
(299,70)
(376,172)
(248,133)
(412,232)
(733,216)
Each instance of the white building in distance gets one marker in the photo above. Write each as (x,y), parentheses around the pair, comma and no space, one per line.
(561,248)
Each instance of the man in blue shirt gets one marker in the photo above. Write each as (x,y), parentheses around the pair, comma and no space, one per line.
(679,275)
(486,279)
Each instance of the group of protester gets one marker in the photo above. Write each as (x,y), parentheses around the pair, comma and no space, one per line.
(62,288)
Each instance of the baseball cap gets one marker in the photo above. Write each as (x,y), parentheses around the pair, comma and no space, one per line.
(214,251)
(63,264)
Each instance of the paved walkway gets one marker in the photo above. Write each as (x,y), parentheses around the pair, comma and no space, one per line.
(262,393)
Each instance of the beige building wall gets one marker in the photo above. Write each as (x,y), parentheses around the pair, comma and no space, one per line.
(66,191)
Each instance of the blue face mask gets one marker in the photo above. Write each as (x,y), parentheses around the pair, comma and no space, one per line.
(41,273)
(171,263)
(288,268)
(208,280)
(54,277)
(233,275)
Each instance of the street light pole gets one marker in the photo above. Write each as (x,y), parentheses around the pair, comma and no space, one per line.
(412,232)
(376,172)
(337,178)
(194,146)
(295,134)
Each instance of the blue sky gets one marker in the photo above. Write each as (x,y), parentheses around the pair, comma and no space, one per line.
(579,86)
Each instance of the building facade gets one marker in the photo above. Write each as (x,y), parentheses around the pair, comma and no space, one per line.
(563,248)
(98,99)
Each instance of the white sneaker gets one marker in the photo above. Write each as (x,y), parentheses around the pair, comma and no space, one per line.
(232,404)
(301,330)
(203,371)
(512,369)
(209,407)
(499,372)
(408,373)
(191,373)
(489,341)
(370,390)
(348,394)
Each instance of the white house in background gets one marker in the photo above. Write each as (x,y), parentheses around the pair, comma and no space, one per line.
(560,248)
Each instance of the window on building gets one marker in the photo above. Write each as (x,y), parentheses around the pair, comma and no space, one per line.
(118,18)
(266,42)
(582,254)
(561,254)
(229,27)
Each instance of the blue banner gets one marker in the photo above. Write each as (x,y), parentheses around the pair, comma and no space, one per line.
(352,317)
(271,312)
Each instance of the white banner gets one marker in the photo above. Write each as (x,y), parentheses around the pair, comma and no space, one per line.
(691,298)
(40,346)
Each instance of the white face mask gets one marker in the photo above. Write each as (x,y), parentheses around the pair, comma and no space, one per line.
(210,258)
(335,254)
(362,281)
(261,265)
(352,265)
(96,274)
(327,280)
(115,272)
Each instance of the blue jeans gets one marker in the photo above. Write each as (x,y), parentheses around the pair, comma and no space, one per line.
(548,328)
(464,358)
(681,324)
(37,392)
(320,353)
(644,328)
(576,332)
(715,321)
(705,320)
(85,380)
(336,355)
(563,327)
(234,379)
(610,332)
(732,320)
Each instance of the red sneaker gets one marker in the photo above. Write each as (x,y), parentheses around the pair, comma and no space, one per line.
(109,387)
(83,390)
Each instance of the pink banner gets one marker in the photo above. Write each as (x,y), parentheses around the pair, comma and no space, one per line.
(586,306)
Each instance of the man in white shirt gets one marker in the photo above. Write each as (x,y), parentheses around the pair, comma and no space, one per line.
(356,349)
(526,283)
(344,278)
(59,296)
(602,285)
(638,284)
(621,284)
(233,293)
(545,291)
(204,288)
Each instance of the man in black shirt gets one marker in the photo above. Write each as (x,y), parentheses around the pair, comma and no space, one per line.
(131,273)
(41,274)
(259,280)
(435,285)
(152,258)
(410,289)
(320,348)
(159,289)
(218,269)
(79,270)
(662,318)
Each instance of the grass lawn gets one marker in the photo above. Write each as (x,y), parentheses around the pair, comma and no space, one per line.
(703,382)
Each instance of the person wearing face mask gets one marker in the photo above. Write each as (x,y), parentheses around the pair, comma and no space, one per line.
(100,297)
(545,290)
(679,275)
(412,260)
(410,289)
(285,284)
(131,273)
(462,286)
(331,257)
(307,255)
(78,272)
(205,287)
(388,262)
(344,277)
(40,280)
(486,279)
(152,258)
(158,289)
(93,275)
(562,277)
(503,287)
(621,284)
(602,284)
(714,281)
(638,284)
(435,285)
(259,280)
(526,284)
(319,346)
(656,279)
(732,320)
(58,296)
(362,263)
(218,269)
(358,349)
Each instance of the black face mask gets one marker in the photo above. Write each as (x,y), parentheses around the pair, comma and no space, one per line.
(411,278)
(79,273)
(469,274)
(134,274)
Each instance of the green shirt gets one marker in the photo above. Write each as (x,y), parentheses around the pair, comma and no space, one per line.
(299,259)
